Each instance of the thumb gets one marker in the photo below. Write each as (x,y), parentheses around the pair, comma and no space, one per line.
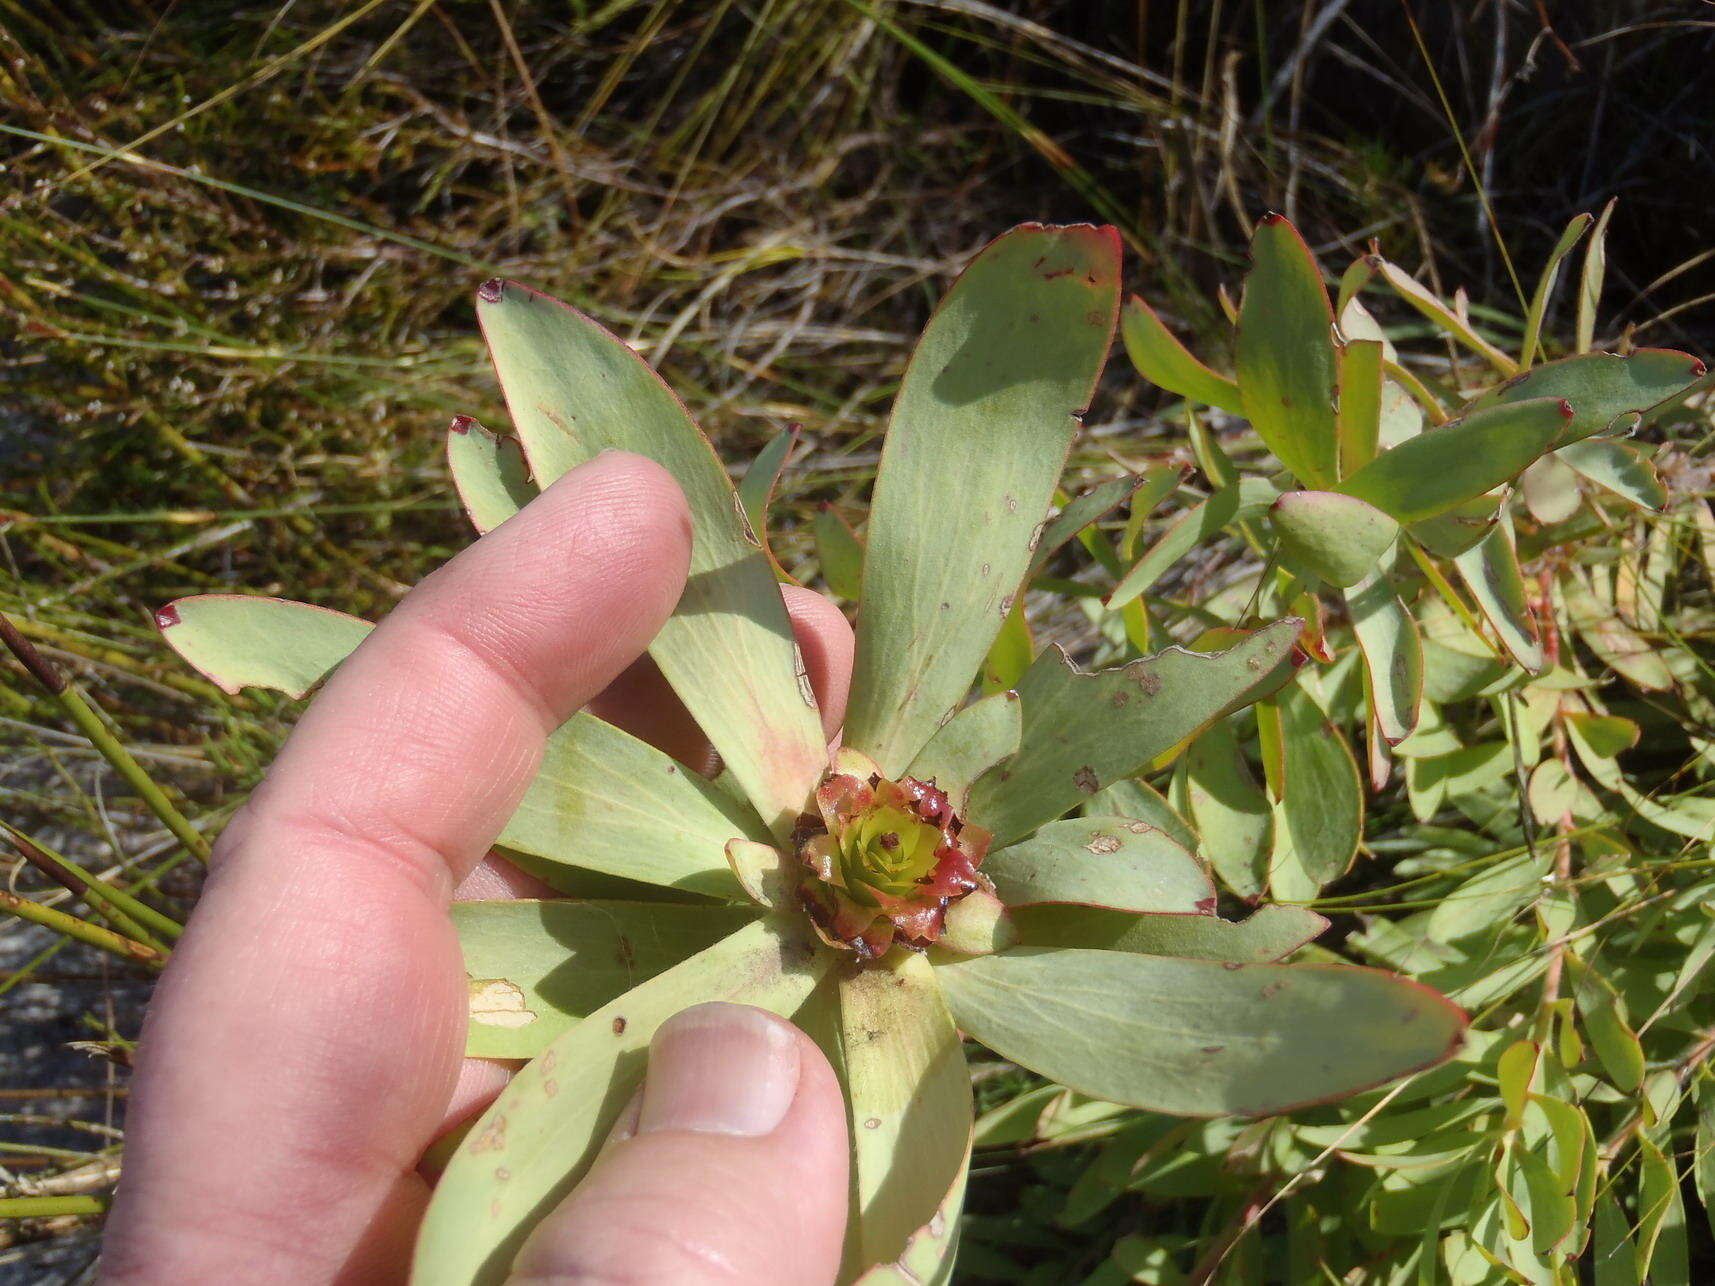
(730,1169)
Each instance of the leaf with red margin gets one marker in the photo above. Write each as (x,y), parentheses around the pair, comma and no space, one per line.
(980,430)
(1200,1037)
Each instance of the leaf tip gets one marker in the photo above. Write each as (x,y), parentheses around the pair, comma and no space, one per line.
(491,291)
(166,617)
(461,425)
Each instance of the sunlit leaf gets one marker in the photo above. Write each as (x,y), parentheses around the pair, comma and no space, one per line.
(1144,490)
(756,491)
(1604,389)
(1233,817)
(840,552)
(575,390)
(558,961)
(1162,360)
(1000,374)
(240,641)
(1393,655)
(1320,796)
(1272,932)
(1491,572)
(969,744)
(540,1136)
(1545,288)
(1114,862)
(1621,467)
(1590,279)
(1148,708)
(1360,413)
(489,472)
(1443,467)
(605,801)
(910,1103)
(1336,537)
(1431,306)
(1199,1037)
(1288,371)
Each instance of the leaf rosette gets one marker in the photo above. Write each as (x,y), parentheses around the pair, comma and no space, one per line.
(990,865)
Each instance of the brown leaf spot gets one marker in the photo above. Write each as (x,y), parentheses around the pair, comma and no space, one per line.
(1149,681)
(1213,1049)
(549,1059)
(1085,780)
(1272,989)
(1119,698)
(498,1002)
(619,1026)
(1006,605)
(1011,505)
(1102,842)
(874,1123)
(550,1088)
(1137,827)
(1095,317)
(1232,964)
(492,1139)
(502,1173)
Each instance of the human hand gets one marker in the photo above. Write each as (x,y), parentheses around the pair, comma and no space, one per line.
(303,1048)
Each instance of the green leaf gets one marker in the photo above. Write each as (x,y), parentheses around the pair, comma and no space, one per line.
(1621,467)
(1661,1218)
(1590,280)
(1162,360)
(1115,862)
(1273,932)
(605,801)
(1393,655)
(1144,490)
(1545,288)
(1616,1257)
(1703,1145)
(489,473)
(1288,371)
(1491,572)
(756,491)
(1009,657)
(1454,323)
(1513,1071)
(1360,413)
(1552,1209)
(1007,363)
(539,1137)
(1550,490)
(1443,467)
(969,744)
(1137,799)
(910,1102)
(1198,1037)
(1604,389)
(1321,796)
(244,642)
(1604,1017)
(840,552)
(1196,527)
(535,968)
(1083,732)
(1336,537)
(1232,814)
(575,390)
(1451,533)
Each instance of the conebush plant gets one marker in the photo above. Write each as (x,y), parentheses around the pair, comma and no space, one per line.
(932,876)
(1406,591)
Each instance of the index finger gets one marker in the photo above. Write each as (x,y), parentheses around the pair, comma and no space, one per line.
(303,1041)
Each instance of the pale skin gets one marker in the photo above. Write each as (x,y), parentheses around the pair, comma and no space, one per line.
(304,1047)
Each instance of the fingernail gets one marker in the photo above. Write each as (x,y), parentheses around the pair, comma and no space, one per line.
(720,1069)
